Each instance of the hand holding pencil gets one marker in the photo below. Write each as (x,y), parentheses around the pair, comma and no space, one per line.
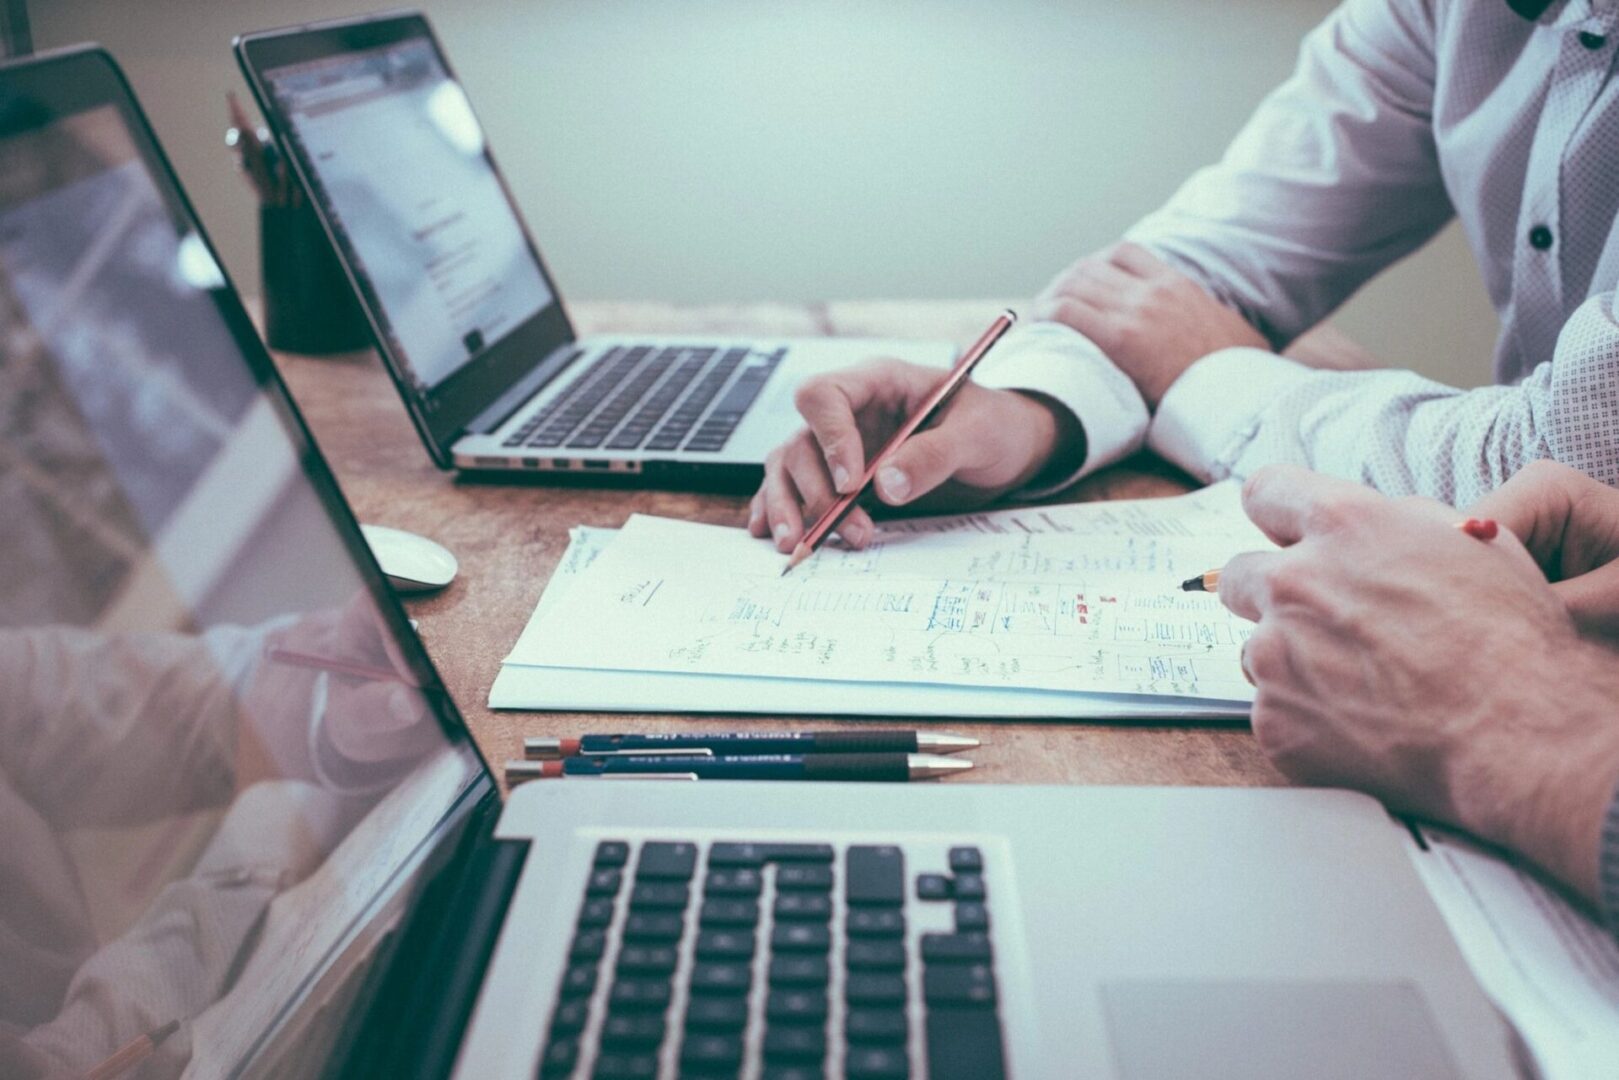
(985,443)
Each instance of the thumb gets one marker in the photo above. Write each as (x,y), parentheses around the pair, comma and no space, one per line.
(926,460)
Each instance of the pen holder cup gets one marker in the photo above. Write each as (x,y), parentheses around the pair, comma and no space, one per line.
(309,305)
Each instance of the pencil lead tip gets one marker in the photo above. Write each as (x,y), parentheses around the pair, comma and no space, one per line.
(1193,584)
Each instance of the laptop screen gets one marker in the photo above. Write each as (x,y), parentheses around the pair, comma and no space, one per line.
(220,749)
(399,163)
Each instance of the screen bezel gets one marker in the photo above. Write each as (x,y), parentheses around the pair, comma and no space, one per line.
(41,90)
(441,414)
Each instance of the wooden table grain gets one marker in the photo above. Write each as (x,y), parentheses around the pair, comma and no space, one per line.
(510,536)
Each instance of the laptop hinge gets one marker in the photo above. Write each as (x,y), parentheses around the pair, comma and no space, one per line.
(414,1020)
(518,394)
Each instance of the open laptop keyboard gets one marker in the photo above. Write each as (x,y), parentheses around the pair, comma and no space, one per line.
(778,961)
(641,396)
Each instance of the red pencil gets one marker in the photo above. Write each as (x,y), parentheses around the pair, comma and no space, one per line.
(930,407)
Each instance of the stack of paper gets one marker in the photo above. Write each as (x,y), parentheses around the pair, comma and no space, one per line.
(1551,970)
(1069,611)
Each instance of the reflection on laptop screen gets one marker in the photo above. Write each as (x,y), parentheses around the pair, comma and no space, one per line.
(403,175)
(197,822)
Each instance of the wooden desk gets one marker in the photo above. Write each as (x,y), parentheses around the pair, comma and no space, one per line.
(508,538)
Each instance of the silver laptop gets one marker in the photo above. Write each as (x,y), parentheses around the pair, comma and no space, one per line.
(465,314)
(247,833)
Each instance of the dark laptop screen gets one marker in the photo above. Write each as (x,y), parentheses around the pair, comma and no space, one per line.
(400,165)
(215,761)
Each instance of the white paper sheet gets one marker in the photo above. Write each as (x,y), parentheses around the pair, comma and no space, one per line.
(1551,970)
(997,614)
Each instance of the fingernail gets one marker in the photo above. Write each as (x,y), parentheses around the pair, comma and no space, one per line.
(857,534)
(840,477)
(895,484)
(781,530)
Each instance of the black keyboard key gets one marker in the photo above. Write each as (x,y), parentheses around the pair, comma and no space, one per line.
(734,854)
(805,877)
(876,923)
(731,854)
(655,895)
(966,860)
(639,995)
(714,978)
(703,1051)
(570,1016)
(800,937)
(559,1057)
(647,960)
(725,945)
(653,927)
(666,441)
(956,948)
(626,1067)
(627,439)
(632,1031)
(958,984)
(870,988)
(796,1006)
(799,853)
(596,913)
(579,981)
(722,1013)
(729,913)
(780,1071)
(670,862)
(793,970)
(587,945)
(969,887)
(803,907)
(794,1042)
(604,882)
(971,916)
(876,875)
(875,955)
(877,1063)
(739,882)
(964,1044)
(886,1026)
(932,887)
(612,853)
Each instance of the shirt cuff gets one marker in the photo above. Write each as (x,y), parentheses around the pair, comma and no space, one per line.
(1061,363)
(1608,867)
(1212,411)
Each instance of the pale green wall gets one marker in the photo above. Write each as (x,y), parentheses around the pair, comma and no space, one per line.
(706,150)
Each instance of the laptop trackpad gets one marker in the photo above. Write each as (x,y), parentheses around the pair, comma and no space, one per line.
(1273,1030)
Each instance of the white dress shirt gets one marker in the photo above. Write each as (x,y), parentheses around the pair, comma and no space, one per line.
(1400,114)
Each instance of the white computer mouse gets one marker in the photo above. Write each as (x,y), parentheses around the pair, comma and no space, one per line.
(412,563)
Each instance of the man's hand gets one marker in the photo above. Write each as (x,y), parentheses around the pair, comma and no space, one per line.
(1151,320)
(1440,673)
(1570,524)
(985,443)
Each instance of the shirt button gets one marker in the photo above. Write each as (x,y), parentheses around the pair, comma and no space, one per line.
(1540,238)
(1592,41)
